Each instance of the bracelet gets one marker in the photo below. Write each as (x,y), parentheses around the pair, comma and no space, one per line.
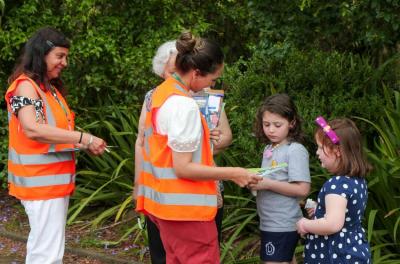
(80,139)
(90,140)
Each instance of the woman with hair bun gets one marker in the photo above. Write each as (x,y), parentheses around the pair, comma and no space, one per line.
(177,184)
(221,137)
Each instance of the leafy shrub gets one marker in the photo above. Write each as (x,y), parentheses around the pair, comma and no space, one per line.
(369,27)
(330,84)
(3,148)
(383,210)
(105,183)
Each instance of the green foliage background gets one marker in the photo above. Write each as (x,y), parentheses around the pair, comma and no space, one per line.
(334,58)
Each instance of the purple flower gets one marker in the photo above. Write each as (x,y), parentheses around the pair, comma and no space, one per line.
(14,249)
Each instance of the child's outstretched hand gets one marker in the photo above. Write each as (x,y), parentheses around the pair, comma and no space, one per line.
(300,226)
(310,212)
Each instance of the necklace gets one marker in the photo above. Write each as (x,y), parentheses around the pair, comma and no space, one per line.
(270,150)
(178,78)
(183,87)
(54,93)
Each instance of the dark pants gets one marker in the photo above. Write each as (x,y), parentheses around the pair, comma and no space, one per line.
(218,222)
(157,252)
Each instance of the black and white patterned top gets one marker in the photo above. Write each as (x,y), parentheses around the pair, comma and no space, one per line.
(18,102)
(147,99)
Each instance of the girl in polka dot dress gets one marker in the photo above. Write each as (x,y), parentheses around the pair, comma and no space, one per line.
(335,234)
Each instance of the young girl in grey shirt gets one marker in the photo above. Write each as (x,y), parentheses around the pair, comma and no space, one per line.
(278,194)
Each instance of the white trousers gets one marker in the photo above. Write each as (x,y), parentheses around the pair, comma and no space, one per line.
(47,220)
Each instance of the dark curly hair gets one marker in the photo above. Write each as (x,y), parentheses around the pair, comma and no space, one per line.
(280,104)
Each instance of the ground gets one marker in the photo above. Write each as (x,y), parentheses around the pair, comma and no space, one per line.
(82,241)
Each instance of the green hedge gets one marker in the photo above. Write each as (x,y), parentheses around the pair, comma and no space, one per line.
(113,43)
(331,84)
(280,47)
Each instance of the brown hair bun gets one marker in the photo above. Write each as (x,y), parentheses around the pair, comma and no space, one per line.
(198,54)
(186,42)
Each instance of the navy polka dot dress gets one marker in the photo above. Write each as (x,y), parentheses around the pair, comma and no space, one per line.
(349,245)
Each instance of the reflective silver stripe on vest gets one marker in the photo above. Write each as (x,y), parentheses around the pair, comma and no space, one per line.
(49,116)
(178,198)
(196,155)
(38,159)
(41,181)
(147,133)
(159,173)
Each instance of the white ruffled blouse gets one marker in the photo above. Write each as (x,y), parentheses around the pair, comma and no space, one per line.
(179,119)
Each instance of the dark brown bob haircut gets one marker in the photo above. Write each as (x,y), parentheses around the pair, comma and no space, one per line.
(280,104)
(353,161)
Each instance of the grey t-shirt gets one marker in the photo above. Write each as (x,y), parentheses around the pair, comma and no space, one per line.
(278,212)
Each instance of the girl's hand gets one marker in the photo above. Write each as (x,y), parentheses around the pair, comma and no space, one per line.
(300,226)
(243,177)
(215,136)
(310,207)
(310,212)
(261,185)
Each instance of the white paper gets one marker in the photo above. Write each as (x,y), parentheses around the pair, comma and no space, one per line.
(214,103)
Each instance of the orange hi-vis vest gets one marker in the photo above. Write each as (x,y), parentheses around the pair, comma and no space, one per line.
(160,192)
(40,171)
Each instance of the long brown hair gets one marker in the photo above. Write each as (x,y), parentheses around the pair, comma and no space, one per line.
(352,159)
(32,60)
